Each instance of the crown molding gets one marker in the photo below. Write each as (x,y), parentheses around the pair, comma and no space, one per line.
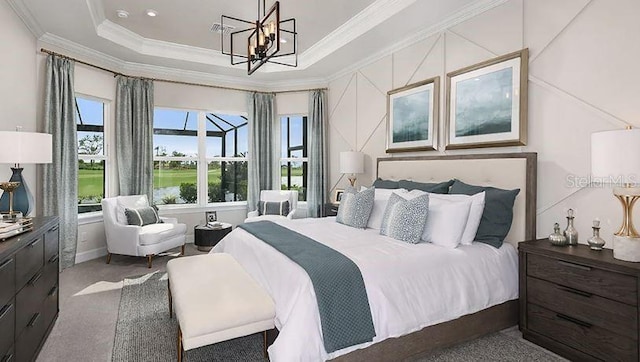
(89,55)
(96,11)
(458,17)
(372,16)
(23,12)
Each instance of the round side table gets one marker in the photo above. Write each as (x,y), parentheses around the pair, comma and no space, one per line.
(206,237)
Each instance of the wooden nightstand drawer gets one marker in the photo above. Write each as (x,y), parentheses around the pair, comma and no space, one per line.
(614,316)
(607,284)
(581,335)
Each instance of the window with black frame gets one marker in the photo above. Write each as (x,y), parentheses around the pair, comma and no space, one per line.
(293,160)
(92,156)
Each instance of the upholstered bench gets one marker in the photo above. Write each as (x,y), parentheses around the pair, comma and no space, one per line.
(216,300)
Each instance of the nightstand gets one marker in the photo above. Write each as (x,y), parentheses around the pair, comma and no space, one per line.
(206,237)
(579,303)
(331,209)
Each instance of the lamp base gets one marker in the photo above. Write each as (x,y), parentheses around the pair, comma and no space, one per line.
(626,248)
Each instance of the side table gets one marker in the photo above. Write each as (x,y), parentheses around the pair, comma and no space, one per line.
(331,209)
(206,237)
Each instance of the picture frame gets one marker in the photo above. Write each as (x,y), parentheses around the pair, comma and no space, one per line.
(336,196)
(487,103)
(412,116)
(211,216)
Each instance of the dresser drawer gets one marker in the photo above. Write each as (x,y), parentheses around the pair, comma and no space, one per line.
(614,316)
(8,356)
(51,305)
(7,280)
(28,261)
(622,288)
(7,327)
(29,340)
(582,336)
(51,243)
(29,300)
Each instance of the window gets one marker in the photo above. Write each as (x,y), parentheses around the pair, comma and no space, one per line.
(293,160)
(92,155)
(194,149)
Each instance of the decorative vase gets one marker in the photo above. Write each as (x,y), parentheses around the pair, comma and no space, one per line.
(557,238)
(570,232)
(596,242)
(22,198)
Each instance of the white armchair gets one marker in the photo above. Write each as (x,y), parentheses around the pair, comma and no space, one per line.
(147,240)
(277,196)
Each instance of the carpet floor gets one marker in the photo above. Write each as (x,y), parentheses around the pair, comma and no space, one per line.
(145,332)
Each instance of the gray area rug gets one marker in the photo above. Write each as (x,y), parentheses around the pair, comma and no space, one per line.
(144,332)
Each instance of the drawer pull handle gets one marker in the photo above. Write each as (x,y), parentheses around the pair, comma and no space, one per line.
(5,310)
(33,320)
(7,262)
(574,291)
(53,291)
(53,259)
(573,320)
(35,279)
(55,228)
(577,266)
(8,358)
(34,243)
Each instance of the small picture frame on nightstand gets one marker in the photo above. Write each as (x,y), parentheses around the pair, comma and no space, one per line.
(211,217)
(337,195)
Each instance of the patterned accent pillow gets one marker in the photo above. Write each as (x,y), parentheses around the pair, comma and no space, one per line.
(355,208)
(274,207)
(405,220)
(142,216)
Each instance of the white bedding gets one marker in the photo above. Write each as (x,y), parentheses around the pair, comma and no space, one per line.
(409,286)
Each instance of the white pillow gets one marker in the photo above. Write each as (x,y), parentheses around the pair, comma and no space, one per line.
(446,221)
(129,202)
(475,213)
(380,201)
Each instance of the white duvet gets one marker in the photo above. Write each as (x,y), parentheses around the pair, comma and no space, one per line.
(409,286)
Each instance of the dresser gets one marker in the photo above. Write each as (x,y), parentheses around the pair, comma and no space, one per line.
(579,303)
(28,290)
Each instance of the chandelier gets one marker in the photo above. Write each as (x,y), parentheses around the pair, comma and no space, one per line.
(266,40)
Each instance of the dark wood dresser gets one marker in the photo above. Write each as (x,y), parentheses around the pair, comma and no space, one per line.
(579,303)
(28,290)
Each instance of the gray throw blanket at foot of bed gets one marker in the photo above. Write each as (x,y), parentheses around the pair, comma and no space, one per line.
(344,309)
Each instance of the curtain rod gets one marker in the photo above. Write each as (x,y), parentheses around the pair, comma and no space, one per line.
(43,50)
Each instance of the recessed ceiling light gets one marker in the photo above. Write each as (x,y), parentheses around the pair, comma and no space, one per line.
(151,12)
(122,14)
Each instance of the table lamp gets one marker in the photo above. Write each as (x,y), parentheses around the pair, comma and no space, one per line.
(352,162)
(19,148)
(615,160)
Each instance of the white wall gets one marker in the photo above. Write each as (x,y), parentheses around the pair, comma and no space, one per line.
(18,92)
(582,78)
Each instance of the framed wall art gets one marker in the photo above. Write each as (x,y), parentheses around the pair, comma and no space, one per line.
(487,103)
(412,116)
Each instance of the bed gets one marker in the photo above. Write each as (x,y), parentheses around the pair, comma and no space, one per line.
(422,296)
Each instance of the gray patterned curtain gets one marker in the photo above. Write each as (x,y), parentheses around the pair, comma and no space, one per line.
(317,153)
(134,136)
(262,155)
(60,178)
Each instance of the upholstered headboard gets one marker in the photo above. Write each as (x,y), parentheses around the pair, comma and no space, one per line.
(503,170)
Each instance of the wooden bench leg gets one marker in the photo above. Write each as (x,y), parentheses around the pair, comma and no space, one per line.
(170,300)
(149,259)
(179,344)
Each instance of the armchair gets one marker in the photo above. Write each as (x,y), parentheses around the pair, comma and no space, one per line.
(277,196)
(133,240)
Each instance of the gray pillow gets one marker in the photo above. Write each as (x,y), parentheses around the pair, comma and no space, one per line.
(273,208)
(498,211)
(405,220)
(385,184)
(436,188)
(355,208)
(142,216)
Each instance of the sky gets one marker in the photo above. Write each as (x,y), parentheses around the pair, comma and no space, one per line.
(92,113)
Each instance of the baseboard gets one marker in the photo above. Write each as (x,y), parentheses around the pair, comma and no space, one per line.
(90,255)
(100,252)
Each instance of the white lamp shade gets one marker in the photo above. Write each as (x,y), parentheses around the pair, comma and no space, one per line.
(615,156)
(351,162)
(25,147)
